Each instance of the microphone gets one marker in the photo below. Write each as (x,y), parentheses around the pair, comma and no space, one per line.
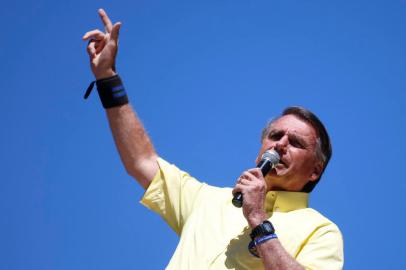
(268,161)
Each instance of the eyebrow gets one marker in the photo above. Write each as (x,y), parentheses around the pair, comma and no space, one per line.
(291,136)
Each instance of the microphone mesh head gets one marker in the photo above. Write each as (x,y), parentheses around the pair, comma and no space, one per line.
(272,156)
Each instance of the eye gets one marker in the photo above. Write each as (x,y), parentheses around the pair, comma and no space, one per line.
(275,136)
(296,143)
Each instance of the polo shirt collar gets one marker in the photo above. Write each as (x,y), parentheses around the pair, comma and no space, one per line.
(285,201)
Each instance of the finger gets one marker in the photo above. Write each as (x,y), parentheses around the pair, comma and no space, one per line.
(94,34)
(91,50)
(100,45)
(238,188)
(249,176)
(255,177)
(245,182)
(106,20)
(115,31)
(256,172)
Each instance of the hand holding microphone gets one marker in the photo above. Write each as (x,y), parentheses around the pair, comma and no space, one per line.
(268,161)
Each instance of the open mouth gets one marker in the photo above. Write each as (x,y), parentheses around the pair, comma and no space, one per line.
(281,161)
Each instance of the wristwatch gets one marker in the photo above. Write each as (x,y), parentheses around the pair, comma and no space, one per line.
(265,228)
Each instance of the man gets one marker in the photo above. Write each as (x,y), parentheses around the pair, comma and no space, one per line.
(274,230)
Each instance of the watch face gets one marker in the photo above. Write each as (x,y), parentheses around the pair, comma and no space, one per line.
(267,227)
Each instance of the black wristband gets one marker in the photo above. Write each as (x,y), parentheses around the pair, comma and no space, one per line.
(111,91)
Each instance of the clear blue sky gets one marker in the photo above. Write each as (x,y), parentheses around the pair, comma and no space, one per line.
(204,76)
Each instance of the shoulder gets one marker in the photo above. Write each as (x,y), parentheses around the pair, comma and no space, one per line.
(314,214)
(323,246)
(315,220)
(321,230)
(306,224)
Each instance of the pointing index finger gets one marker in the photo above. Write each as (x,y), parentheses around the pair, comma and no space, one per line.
(106,20)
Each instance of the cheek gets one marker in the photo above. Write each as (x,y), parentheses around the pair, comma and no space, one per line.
(267,144)
(306,164)
(301,158)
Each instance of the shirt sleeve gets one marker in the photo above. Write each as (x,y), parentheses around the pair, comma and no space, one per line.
(323,250)
(172,194)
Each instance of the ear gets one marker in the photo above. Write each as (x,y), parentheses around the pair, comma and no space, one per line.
(317,170)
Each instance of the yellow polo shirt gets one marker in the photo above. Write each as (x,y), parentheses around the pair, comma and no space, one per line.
(214,234)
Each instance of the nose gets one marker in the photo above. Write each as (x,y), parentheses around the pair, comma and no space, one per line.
(280,146)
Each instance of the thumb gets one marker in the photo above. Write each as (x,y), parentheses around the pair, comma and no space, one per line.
(115,31)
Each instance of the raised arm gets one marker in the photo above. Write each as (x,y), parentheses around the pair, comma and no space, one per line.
(134,146)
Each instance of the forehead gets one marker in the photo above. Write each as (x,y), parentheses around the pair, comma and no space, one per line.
(294,125)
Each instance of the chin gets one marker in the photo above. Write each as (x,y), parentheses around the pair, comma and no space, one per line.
(273,175)
(278,178)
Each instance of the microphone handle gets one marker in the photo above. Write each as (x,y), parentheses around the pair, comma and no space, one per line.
(265,165)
